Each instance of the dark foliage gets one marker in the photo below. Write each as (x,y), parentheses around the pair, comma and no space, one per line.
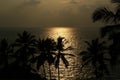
(15,59)
(95,55)
(106,15)
(60,55)
(115,1)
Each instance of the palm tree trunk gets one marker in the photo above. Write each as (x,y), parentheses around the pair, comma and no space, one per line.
(6,59)
(50,72)
(44,73)
(58,73)
(58,67)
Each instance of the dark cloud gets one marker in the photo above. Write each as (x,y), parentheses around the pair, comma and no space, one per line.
(31,2)
(73,2)
(27,3)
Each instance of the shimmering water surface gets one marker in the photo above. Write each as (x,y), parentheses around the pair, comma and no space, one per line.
(74,38)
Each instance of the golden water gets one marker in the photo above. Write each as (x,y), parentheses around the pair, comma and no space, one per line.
(72,72)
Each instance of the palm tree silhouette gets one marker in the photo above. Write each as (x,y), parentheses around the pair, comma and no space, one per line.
(5,50)
(61,55)
(95,55)
(41,58)
(112,31)
(25,48)
(106,15)
(46,49)
(50,45)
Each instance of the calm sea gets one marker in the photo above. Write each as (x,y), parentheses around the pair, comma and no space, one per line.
(75,38)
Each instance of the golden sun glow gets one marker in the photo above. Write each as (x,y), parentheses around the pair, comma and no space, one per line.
(61,31)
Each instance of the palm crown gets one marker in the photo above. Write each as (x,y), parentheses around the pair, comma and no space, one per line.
(95,55)
(106,15)
(25,46)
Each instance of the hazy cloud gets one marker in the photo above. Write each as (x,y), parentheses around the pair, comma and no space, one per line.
(31,13)
(31,2)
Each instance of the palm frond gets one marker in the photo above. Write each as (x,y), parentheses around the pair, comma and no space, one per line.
(88,43)
(86,62)
(85,58)
(20,36)
(66,63)
(103,14)
(117,14)
(68,54)
(69,48)
(57,61)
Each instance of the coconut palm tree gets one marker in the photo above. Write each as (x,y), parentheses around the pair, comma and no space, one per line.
(46,49)
(5,50)
(95,55)
(25,47)
(41,58)
(61,55)
(112,31)
(50,45)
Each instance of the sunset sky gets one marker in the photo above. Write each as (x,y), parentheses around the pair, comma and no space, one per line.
(49,13)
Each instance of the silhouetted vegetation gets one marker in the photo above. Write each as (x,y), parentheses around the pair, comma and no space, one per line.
(115,1)
(23,59)
(46,48)
(17,59)
(98,53)
(61,55)
(96,56)
(108,16)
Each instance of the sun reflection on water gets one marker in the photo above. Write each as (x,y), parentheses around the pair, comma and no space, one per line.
(60,31)
(68,33)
